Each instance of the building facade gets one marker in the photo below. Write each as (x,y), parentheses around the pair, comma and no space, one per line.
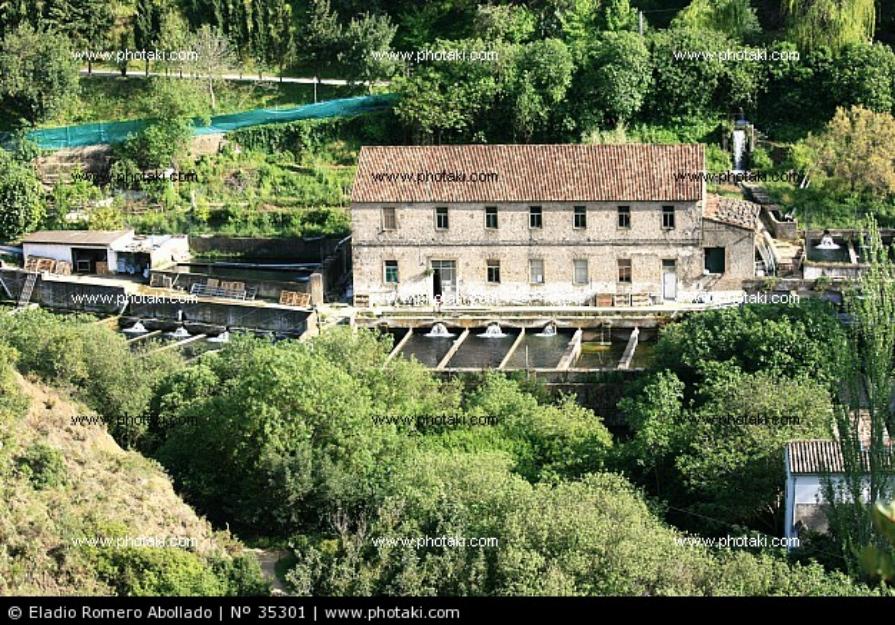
(543,225)
(105,251)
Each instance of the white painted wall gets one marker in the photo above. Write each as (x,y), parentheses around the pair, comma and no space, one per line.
(58,251)
(48,250)
(175,250)
(809,489)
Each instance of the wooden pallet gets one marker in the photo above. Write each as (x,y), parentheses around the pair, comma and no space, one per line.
(603,300)
(233,286)
(361,301)
(295,298)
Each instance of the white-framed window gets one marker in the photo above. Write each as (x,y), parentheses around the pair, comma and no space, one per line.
(441,218)
(492,270)
(536,271)
(580,271)
(389,218)
(624,270)
(491,217)
(624,217)
(668,217)
(535,217)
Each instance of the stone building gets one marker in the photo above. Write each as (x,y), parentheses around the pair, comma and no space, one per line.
(544,224)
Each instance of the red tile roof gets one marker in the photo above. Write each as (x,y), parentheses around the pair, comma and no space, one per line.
(532,173)
(732,211)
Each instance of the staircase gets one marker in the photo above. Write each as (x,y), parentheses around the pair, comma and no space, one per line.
(27,290)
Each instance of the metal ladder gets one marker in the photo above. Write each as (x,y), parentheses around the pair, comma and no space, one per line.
(27,290)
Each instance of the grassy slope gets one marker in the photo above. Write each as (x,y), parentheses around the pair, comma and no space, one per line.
(107,491)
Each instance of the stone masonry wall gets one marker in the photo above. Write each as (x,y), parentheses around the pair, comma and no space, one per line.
(416,241)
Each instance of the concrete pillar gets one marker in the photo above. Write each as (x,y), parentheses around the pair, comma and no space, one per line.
(316,288)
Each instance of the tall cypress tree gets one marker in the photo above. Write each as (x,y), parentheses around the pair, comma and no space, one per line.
(864,418)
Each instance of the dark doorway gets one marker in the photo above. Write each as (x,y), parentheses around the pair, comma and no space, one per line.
(84,259)
(436,282)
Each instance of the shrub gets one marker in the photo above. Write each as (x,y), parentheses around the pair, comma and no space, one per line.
(43,466)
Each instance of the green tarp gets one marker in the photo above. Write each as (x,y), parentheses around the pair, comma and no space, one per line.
(116,132)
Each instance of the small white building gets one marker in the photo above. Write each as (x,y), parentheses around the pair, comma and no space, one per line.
(106,251)
(807,463)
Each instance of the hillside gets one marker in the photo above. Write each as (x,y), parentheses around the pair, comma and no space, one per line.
(68,486)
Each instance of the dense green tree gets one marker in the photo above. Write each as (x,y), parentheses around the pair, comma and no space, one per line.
(576,22)
(733,462)
(85,22)
(617,16)
(720,457)
(834,23)
(259,30)
(279,45)
(506,22)
(449,101)
(562,440)
(288,435)
(856,152)
(320,35)
(93,360)
(684,86)
(864,75)
(614,81)
(469,100)
(171,105)
(37,75)
(365,40)
(794,102)
(21,197)
(596,536)
(148,26)
(174,36)
(735,18)
(541,76)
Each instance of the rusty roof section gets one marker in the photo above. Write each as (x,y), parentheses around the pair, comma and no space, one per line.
(531,173)
(731,211)
(822,456)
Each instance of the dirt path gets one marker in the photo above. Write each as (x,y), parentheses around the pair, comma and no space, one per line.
(268,559)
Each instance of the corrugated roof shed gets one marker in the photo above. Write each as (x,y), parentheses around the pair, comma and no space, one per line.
(531,173)
(821,456)
(76,237)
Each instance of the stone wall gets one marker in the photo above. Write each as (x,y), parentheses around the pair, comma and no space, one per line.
(739,252)
(416,242)
(415,281)
(265,289)
(285,249)
(226,315)
(63,295)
